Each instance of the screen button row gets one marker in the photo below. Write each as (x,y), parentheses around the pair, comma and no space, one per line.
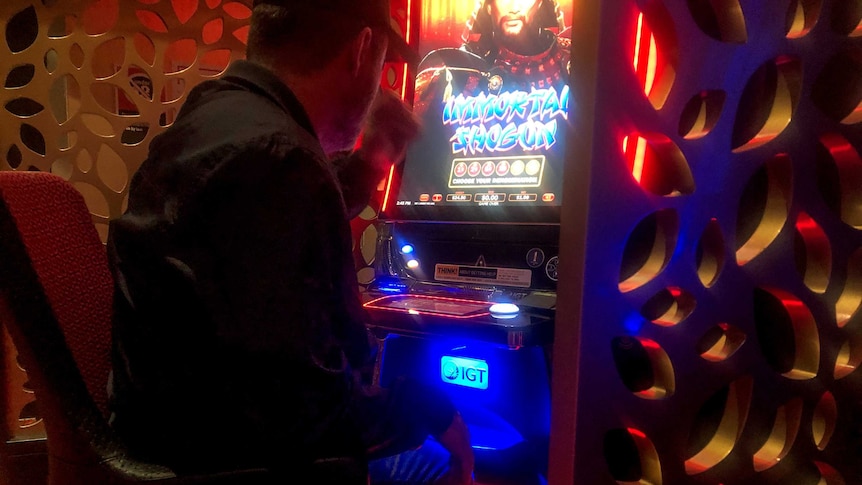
(488,197)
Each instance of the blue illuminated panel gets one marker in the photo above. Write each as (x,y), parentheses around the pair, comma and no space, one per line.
(462,371)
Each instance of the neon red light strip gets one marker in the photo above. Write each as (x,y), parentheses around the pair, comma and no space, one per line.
(411,311)
(388,187)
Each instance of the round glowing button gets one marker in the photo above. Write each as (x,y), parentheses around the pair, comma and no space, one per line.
(504,310)
(517,168)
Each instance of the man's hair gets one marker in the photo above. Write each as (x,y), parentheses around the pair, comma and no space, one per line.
(302,39)
(478,36)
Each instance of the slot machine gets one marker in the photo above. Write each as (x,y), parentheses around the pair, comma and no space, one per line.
(467,250)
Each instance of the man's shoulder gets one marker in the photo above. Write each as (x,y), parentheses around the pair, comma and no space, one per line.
(225,101)
(221,116)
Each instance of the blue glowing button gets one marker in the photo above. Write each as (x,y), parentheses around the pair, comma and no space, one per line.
(504,310)
(462,371)
(406,249)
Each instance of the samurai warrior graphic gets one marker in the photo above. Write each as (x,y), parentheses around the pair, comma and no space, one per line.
(507,45)
(500,99)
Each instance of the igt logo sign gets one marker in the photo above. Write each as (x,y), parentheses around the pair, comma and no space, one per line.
(462,371)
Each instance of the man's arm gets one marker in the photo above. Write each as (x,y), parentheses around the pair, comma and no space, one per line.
(389,128)
(279,268)
(456,440)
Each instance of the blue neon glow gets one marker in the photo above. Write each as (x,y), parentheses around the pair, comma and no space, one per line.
(465,372)
(392,285)
(516,407)
(488,431)
(406,249)
(633,323)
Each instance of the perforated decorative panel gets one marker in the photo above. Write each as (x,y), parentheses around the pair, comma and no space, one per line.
(712,243)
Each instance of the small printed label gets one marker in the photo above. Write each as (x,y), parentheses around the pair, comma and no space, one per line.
(462,371)
(483,274)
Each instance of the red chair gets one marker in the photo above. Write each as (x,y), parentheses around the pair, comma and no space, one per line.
(56,300)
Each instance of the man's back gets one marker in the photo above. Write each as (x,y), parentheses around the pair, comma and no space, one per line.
(249,334)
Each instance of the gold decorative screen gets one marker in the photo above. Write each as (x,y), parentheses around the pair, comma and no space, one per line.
(713,238)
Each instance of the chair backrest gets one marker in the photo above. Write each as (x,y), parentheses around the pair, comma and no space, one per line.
(71,265)
(56,302)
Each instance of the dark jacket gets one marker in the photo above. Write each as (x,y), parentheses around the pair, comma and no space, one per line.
(238,324)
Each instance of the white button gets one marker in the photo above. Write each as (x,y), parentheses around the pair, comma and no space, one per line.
(504,310)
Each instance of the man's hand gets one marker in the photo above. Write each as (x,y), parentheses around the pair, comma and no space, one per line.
(456,440)
(389,128)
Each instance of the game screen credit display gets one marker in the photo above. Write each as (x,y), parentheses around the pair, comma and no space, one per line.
(492,92)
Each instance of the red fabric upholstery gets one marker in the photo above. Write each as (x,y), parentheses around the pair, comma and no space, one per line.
(56,301)
(71,264)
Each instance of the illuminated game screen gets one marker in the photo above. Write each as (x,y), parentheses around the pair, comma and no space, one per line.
(492,93)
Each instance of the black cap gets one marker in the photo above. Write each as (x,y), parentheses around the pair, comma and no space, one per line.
(374,13)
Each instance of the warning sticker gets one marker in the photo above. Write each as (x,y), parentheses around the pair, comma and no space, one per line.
(483,274)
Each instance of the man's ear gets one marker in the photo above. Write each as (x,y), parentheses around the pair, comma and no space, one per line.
(360,50)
